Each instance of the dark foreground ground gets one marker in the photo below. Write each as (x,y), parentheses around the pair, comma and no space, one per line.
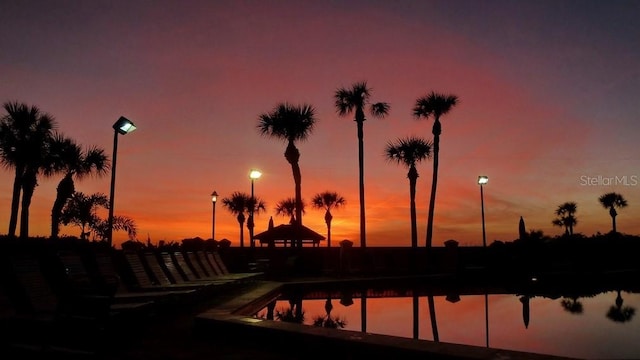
(169,336)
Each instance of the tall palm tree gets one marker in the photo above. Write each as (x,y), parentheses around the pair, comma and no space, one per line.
(290,123)
(74,162)
(355,100)
(328,200)
(409,151)
(434,105)
(24,137)
(612,201)
(566,217)
(237,204)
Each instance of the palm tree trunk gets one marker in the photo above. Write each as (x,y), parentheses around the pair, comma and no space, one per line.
(241,222)
(15,201)
(413,179)
(363,239)
(613,213)
(65,190)
(416,317)
(434,183)
(293,156)
(28,187)
(432,314)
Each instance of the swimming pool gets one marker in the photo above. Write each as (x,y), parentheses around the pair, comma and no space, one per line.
(582,317)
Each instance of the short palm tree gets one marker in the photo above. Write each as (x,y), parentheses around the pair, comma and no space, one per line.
(73,162)
(287,207)
(24,137)
(409,151)
(81,210)
(237,204)
(290,123)
(566,217)
(434,105)
(612,201)
(355,99)
(258,207)
(328,200)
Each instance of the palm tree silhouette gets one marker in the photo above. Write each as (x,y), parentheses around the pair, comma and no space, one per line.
(258,206)
(328,200)
(619,313)
(237,204)
(409,151)
(24,137)
(572,305)
(328,321)
(287,207)
(290,123)
(566,217)
(81,210)
(434,105)
(74,162)
(612,201)
(354,100)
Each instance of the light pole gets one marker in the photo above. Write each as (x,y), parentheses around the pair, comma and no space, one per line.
(123,126)
(214,199)
(481,181)
(253,175)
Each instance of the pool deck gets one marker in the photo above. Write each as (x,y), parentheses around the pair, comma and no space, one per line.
(233,320)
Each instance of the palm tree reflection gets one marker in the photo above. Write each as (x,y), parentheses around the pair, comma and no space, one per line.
(293,314)
(328,321)
(572,305)
(432,314)
(618,313)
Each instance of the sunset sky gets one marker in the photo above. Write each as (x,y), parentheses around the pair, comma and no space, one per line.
(548,108)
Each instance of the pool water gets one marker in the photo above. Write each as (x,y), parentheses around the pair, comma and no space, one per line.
(602,325)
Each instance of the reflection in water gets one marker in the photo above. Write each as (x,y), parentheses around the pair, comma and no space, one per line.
(525,310)
(432,315)
(396,311)
(572,305)
(328,321)
(618,313)
(416,316)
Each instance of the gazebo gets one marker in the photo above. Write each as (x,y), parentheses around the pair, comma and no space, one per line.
(288,233)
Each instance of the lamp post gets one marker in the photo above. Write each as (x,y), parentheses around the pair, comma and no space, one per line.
(253,175)
(481,181)
(121,127)
(214,199)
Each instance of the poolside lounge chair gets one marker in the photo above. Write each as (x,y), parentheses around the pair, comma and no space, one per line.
(216,262)
(82,280)
(182,275)
(146,279)
(111,269)
(50,315)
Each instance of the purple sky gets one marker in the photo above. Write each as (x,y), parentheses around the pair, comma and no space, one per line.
(548,96)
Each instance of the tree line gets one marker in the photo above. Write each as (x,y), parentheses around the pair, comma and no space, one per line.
(566,212)
(33,147)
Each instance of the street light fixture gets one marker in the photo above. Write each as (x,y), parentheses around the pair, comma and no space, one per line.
(214,199)
(123,126)
(253,175)
(481,181)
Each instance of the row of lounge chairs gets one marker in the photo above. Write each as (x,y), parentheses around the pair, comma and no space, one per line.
(75,298)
